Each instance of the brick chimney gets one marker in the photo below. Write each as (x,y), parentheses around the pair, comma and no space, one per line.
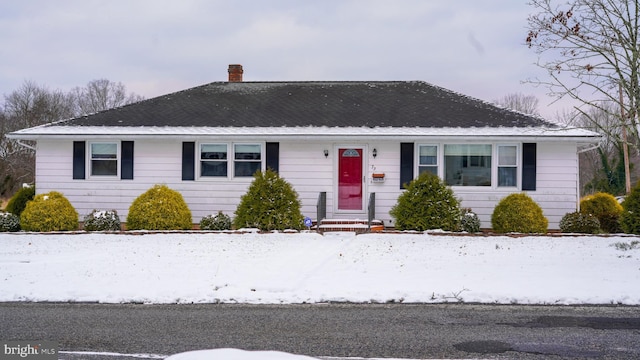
(235,73)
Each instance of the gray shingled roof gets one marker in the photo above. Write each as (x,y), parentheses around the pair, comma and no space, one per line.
(333,104)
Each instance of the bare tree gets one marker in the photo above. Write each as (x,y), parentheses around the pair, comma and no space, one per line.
(590,49)
(102,94)
(30,105)
(527,104)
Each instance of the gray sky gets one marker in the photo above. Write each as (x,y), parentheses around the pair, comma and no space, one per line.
(156,47)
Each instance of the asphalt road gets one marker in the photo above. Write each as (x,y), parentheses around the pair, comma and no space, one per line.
(331,330)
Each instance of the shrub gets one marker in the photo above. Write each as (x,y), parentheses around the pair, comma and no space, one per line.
(579,222)
(469,221)
(630,217)
(19,200)
(159,208)
(9,222)
(49,212)
(518,213)
(270,203)
(220,221)
(427,204)
(606,208)
(102,221)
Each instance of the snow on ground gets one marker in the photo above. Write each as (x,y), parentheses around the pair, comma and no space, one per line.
(281,268)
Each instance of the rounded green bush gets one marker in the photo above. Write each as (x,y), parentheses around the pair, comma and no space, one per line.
(159,208)
(469,221)
(427,203)
(518,213)
(579,222)
(220,221)
(9,222)
(102,220)
(49,212)
(630,217)
(19,200)
(606,208)
(270,203)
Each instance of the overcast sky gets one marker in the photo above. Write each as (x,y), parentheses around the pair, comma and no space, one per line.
(156,47)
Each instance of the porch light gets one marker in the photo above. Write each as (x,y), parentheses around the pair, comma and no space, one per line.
(326,153)
(375,153)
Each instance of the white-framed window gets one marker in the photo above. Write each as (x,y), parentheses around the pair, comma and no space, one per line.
(428,159)
(507,165)
(247,159)
(214,160)
(467,164)
(228,160)
(103,157)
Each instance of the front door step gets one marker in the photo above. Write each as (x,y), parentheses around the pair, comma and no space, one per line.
(352,225)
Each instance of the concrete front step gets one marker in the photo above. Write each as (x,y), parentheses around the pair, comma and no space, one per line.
(352,225)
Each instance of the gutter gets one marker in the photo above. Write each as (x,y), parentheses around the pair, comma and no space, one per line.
(26,145)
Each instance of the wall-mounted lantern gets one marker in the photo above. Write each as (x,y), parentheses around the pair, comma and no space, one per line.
(374,153)
(326,153)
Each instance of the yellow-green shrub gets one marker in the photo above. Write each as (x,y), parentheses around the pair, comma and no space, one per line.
(606,208)
(49,212)
(19,200)
(159,208)
(518,213)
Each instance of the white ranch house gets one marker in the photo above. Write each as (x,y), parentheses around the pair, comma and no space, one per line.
(335,142)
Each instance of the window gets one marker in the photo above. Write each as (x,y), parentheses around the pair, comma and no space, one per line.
(247,159)
(104,159)
(213,160)
(428,159)
(467,165)
(507,165)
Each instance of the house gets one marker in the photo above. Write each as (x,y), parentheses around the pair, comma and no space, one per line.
(335,142)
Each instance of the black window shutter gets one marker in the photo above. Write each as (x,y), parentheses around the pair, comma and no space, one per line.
(273,156)
(188,160)
(406,164)
(79,154)
(126,166)
(529,166)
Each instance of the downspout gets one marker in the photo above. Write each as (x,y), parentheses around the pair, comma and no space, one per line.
(26,145)
(578,182)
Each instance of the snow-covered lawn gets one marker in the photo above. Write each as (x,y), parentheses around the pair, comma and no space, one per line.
(307,267)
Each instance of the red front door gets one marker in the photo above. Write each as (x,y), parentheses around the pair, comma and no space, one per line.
(350,179)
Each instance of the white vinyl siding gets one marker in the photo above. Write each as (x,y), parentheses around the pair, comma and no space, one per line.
(304,166)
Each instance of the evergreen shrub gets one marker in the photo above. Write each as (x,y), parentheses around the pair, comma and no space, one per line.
(579,222)
(220,221)
(270,203)
(427,203)
(606,208)
(49,212)
(159,208)
(518,213)
(9,222)
(469,221)
(19,200)
(102,220)
(630,217)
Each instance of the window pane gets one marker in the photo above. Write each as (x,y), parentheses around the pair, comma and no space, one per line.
(104,151)
(246,168)
(428,155)
(463,149)
(213,151)
(507,155)
(213,168)
(104,167)
(507,176)
(467,165)
(431,169)
(247,152)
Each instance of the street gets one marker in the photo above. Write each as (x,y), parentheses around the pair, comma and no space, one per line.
(411,331)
